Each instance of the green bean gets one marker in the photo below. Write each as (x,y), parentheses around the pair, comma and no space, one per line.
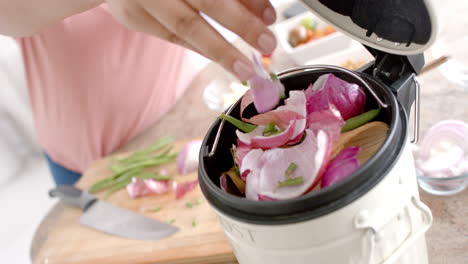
(116,187)
(147,163)
(122,183)
(124,169)
(360,120)
(108,182)
(151,175)
(160,144)
(129,171)
(142,158)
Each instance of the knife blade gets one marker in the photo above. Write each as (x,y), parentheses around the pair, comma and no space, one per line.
(108,218)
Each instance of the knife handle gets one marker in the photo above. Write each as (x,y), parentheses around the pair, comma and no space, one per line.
(73,196)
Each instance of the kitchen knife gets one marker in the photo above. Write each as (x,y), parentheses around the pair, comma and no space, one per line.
(111,219)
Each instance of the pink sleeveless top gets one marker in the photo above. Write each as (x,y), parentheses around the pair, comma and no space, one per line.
(94,84)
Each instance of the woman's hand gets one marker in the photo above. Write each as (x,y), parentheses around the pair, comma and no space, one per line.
(180,22)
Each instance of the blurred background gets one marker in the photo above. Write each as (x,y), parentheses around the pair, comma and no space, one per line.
(25,178)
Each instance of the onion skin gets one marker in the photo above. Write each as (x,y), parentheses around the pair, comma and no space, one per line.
(343,165)
(187,160)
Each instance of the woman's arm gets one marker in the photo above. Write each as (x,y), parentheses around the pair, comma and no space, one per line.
(180,22)
(20,18)
(177,21)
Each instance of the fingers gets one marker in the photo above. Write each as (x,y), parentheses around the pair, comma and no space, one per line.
(262,9)
(188,25)
(138,19)
(237,18)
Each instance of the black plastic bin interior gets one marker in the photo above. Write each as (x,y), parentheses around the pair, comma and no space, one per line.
(312,204)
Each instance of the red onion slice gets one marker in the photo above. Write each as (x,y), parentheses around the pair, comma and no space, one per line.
(290,117)
(223,182)
(328,120)
(187,160)
(443,151)
(157,187)
(266,92)
(240,151)
(255,139)
(267,168)
(343,165)
(181,188)
(139,188)
(348,98)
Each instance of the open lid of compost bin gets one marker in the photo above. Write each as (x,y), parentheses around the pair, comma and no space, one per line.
(403,27)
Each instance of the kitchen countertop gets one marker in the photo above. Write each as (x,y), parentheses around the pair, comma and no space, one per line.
(447,239)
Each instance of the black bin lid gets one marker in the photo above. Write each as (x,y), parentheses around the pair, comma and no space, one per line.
(403,27)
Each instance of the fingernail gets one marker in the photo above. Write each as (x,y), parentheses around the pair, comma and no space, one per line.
(269,16)
(267,42)
(243,70)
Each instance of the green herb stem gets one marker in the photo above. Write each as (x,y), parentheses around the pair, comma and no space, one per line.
(290,182)
(109,182)
(147,163)
(243,126)
(271,130)
(290,170)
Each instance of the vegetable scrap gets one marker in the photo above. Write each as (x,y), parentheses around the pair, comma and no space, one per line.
(360,120)
(135,168)
(266,89)
(284,151)
(181,188)
(192,204)
(138,188)
(343,165)
(136,173)
(187,160)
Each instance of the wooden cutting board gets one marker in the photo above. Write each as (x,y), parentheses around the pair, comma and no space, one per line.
(70,243)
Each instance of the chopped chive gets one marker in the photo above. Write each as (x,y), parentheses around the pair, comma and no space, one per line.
(244,83)
(357,121)
(171,221)
(192,204)
(194,222)
(290,170)
(243,126)
(155,210)
(290,182)
(271,130)
(273,76)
